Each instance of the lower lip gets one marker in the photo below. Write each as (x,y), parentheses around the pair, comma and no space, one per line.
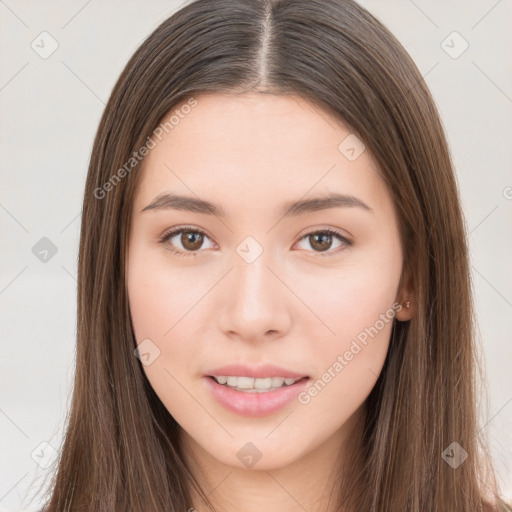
(254,404)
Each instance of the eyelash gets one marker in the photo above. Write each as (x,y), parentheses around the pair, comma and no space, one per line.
(169,234)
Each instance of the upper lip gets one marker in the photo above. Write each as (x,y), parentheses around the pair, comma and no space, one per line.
(257,372)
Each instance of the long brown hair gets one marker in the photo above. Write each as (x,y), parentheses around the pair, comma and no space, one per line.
(121,449)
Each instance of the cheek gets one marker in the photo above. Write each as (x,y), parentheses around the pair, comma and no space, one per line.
(150,301)
(350,361)
(159,303)
(165,302)
(355,302)
(159,295)
(351,296)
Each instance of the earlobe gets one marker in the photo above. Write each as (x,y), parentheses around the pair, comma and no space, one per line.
(406,298)
(407,311)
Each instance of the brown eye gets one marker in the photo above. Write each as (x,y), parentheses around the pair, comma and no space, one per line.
(191,240)
(322,241)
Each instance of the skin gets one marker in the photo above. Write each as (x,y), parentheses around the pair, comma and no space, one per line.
(291,306)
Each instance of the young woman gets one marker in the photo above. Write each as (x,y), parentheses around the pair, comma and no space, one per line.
(274,303)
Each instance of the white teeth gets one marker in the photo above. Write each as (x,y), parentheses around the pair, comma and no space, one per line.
(277,382)
(253,385)
(232,381)
(243,382)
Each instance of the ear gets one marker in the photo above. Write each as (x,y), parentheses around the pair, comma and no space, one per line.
(406,297)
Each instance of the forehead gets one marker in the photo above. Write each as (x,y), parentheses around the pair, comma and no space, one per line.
(246,147)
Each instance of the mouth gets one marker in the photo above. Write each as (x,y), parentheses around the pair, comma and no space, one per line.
(253,396)
(255,385)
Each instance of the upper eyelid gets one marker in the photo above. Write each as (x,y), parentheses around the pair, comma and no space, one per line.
(319,229)
(174,231)
(171,232)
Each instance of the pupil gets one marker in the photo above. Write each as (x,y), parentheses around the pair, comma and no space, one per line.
(324,243)
(190,240)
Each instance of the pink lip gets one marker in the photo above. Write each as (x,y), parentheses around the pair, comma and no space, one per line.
(258,372)
(254,404)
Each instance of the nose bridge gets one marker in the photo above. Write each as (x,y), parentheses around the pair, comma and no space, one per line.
(252,278)
(255,303)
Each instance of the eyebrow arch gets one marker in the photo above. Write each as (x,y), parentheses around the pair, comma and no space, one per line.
(168,201)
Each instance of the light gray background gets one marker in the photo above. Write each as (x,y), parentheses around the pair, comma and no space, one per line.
(50,109)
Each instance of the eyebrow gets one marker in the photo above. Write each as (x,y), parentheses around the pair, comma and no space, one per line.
(167,201)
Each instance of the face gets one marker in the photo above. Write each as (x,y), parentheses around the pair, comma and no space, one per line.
(252,281)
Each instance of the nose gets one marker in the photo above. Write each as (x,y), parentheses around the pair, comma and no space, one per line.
(257,304)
